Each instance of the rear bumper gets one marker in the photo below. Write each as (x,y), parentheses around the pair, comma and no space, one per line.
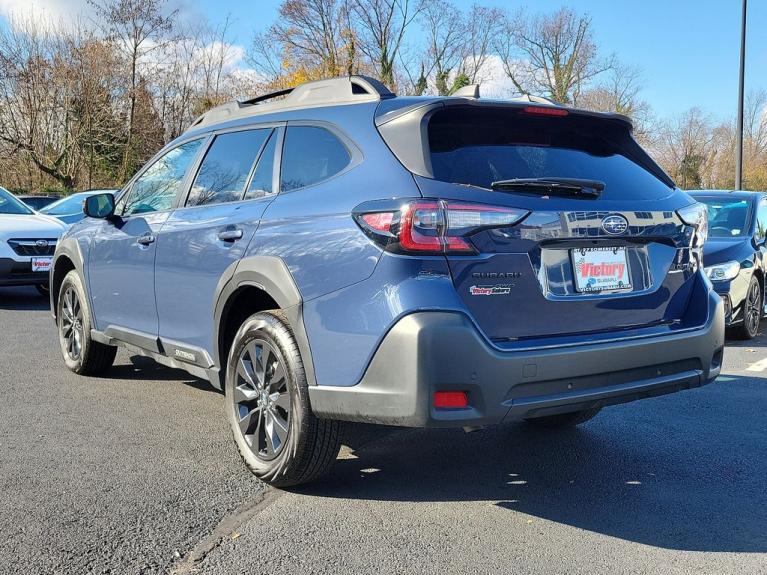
(19,273)
(435,351)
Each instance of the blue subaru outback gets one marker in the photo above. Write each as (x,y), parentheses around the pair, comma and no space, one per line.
(335,253)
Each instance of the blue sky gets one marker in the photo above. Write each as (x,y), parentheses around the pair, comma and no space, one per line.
(687,49)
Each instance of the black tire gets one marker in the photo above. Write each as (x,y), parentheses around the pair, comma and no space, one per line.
(273,392)
(565,419)
(752,311)
(43,289)
(82,354)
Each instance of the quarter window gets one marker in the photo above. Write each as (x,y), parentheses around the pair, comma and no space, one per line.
(225,169)
(157,187)
(310,155)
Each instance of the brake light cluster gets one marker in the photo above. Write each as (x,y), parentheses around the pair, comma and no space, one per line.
(545,111)
(429,226)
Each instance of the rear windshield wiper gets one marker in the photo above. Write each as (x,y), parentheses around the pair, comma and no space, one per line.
(553,186)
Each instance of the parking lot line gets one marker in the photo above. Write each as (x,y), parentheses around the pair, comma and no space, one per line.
(760,365)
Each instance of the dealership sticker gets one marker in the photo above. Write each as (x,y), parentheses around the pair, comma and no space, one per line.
(490,290)
(41,264)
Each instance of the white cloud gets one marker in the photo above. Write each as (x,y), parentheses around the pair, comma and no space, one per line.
(494,83)
(45,11)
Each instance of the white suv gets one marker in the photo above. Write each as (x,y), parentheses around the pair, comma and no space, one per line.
(27,243)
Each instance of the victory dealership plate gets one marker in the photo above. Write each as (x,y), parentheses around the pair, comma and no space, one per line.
(41,264)
(601,269)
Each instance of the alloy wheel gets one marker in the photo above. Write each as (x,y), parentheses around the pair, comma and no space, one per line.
(753,311)
(262,399)
(71,324)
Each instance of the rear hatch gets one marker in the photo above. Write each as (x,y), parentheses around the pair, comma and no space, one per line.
(604,256)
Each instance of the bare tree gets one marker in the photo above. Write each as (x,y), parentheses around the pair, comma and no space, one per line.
(551,54)
(483,27)
(314,33)
(381,27)
(619,91)
(95,125)
(136,27)
(686,149)
(38,97)
(443,24)
(755,121)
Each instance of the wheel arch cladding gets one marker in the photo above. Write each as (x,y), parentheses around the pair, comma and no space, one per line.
(68,257)
(258,283)
(64,265)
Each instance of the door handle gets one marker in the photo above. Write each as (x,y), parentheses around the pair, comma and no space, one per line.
(230,235)
(145,240)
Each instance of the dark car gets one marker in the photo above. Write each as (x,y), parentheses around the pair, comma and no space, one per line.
(344,254)
(38,202)
(733,255)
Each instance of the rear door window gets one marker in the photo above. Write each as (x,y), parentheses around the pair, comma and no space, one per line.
(482,146)
(224,170)
(261,184)
(310,155)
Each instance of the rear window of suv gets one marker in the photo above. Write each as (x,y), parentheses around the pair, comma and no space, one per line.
(480,146)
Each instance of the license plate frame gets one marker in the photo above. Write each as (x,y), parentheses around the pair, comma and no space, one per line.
(607,270)
(41,264)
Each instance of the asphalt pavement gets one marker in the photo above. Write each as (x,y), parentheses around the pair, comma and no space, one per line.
(135,472)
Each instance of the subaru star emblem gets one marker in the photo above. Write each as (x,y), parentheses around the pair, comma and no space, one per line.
(41,244)
(615,224)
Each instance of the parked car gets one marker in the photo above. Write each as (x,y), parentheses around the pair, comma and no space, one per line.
(38,202)
(343,254)
(734,255)
(27,243)
(70,209)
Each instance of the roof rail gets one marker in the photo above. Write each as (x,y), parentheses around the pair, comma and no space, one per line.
(328,92)
(263,98)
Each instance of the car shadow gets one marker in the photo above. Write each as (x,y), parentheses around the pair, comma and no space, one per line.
(23,299)
(635,487)
(142,368)
(732,340)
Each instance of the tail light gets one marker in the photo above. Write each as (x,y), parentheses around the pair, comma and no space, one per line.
(431,226)
(696,215)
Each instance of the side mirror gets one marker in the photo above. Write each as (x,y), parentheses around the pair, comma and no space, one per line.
(99,206)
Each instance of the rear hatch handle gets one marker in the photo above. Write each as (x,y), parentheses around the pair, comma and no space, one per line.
(553,186)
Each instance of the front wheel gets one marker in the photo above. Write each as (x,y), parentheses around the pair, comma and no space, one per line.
(81,353)
(267,403)
(565,419)
(752,311)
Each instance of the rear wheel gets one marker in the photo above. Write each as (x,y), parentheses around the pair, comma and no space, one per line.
(565,419)
(752,311)
(81,353)
(267,402)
